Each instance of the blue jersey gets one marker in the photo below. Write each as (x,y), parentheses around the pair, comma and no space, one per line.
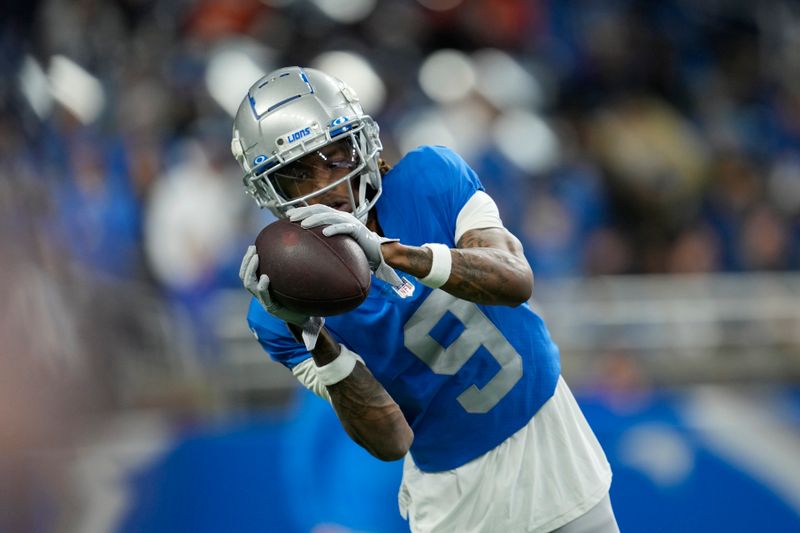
(466,376)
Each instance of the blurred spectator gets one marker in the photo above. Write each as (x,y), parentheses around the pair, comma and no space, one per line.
(765,240)
(695,251)
(193,230)
(655,163)
(98,213)
(607,253)
(564,210)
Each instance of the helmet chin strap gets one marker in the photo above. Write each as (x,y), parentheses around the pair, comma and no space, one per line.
(360,196)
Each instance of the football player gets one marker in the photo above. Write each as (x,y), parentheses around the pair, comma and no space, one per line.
(445,363)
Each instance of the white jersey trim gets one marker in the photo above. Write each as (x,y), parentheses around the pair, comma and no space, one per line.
(479,212)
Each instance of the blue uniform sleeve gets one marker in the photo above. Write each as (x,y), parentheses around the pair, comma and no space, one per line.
(440,183)
(274,336)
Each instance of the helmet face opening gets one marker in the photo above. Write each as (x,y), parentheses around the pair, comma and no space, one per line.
(332,164)
(307,146)
(336,174)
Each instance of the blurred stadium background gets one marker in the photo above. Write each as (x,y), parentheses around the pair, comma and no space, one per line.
(646,153)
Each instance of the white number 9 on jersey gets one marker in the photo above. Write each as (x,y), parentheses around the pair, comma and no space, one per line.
(478,331)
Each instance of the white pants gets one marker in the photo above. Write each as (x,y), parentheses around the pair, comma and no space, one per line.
(598,519)
(546,475)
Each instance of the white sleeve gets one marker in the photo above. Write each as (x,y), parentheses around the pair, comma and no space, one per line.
(306,373)
(479,212)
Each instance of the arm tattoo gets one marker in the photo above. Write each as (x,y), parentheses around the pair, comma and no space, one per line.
(370,416)
(484,275)
(367,412)
(490,268)
(359,395)
(420,262)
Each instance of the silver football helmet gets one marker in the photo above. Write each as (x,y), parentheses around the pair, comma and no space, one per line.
(283,129)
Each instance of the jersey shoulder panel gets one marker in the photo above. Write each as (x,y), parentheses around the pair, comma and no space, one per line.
(274,336)
(438,169)
(424,193)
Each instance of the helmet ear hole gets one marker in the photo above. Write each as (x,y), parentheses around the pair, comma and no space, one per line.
(236,148)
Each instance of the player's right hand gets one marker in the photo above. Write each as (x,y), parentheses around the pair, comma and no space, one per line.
(259,287)
(341,223)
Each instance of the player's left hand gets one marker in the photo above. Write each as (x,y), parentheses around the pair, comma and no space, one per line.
(341,223)
(259,287)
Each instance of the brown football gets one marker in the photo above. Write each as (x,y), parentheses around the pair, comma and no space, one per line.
(310,273)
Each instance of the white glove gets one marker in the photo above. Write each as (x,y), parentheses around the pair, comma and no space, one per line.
(341,223)
(259,287)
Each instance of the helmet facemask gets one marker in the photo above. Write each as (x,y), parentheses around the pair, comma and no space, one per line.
(348,159)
